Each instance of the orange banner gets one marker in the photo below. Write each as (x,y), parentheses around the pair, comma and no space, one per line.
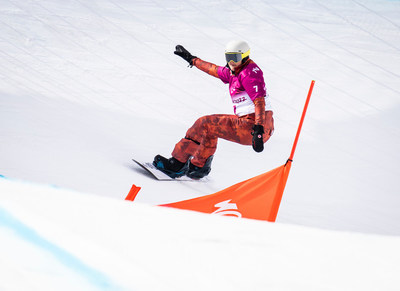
(256,198)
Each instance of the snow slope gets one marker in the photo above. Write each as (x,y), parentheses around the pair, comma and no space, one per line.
(63,240)
(87,85)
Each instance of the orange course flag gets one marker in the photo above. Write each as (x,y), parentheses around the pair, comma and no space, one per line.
(255,198)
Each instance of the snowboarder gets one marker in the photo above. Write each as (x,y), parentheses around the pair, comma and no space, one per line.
(252,123)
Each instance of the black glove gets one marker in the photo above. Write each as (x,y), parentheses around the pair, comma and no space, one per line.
(258,144)
(184,54)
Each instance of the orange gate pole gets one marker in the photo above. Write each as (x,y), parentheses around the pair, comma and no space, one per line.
(301,121)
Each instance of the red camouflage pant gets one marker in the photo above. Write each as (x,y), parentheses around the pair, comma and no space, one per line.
(201,139)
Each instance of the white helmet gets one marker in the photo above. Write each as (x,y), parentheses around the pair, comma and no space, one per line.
(236,50)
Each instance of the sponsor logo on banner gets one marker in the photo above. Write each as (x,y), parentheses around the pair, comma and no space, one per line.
(226,208)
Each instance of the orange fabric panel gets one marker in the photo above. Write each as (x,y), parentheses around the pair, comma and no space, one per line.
(256,198)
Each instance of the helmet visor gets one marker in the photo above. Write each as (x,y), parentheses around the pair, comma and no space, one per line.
(236,57)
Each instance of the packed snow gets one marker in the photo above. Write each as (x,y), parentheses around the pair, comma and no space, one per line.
(85,86)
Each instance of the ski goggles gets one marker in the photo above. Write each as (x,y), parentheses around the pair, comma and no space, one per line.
(236,57)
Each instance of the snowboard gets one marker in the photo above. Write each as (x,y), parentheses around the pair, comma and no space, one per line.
(157,174)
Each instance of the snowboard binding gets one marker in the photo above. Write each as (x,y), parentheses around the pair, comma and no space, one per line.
(175,169)
(171,167)
(195,172)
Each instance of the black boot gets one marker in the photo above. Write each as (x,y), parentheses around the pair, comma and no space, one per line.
(172,167)
(195,172)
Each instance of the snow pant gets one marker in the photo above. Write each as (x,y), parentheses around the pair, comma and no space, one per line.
(201,139)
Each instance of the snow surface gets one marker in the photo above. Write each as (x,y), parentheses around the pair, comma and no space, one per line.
(87,85)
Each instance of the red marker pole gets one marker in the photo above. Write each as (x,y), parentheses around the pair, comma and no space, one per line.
(133,192)
(301,121)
